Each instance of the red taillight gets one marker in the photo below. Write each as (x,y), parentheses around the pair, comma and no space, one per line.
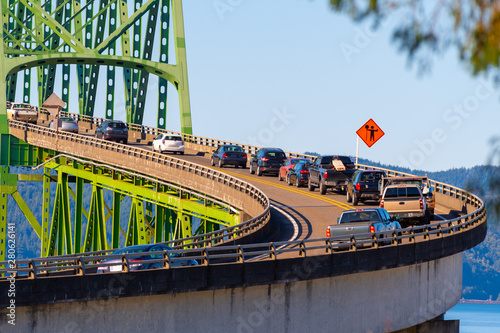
(135,262)
(382,204)
(224,155)
(326,174)
(328,233)
(304,171)
(372,229)
(245,156)
(358,187)
(421,204)
(264,159)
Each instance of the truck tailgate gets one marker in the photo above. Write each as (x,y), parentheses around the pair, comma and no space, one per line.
(348,229)
(402,205)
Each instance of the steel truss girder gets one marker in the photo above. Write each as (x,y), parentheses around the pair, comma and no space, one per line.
(36,32)
(159,212)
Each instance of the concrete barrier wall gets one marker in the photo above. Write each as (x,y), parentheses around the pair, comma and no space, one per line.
(377,301)
(109,154)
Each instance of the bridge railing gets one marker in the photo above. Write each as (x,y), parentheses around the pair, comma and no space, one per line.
(87,263)
(195,139)
(242,253)
(220,236)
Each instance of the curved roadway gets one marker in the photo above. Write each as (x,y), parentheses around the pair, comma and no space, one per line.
(311,211)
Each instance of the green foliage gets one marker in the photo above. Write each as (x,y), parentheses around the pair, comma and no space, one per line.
(428,27)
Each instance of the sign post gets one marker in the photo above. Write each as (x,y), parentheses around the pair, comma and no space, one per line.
(370,133)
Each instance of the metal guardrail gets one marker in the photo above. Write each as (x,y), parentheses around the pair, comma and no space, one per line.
(208,239)
(87,263)
(30,268)
(199,140)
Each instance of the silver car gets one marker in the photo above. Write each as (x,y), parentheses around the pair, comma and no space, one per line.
(168,143)
(66,124)
(137,254)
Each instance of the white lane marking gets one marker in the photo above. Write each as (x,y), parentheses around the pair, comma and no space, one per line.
(292,220)
(295,231)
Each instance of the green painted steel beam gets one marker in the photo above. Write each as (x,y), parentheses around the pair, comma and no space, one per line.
(45,247)
(27,213)
(211,213)
(48,35)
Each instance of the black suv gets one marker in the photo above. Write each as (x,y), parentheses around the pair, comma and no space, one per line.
(267,160)
(364,184)
(115,130)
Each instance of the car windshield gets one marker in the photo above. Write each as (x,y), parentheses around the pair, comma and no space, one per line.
(173,138)
(371,176)
(117,125)
(344,159)
(360,217)
(394,192)
(130,250)
(275,155)
(67,119)
(233,148)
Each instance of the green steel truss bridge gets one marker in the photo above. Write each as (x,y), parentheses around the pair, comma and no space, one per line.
(92,45)
(86,47)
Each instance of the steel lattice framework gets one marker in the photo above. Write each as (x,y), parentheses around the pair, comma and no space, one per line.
(42,39)
(82,47)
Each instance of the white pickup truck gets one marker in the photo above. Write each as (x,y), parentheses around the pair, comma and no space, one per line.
(406,203)
(22,112)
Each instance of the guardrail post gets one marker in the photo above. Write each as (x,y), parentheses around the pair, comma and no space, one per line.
(80,270)
(241,256)
(272,251)
(32,271)
(166,257)
(302,251)
(125,264)
(328,248)
(205,260)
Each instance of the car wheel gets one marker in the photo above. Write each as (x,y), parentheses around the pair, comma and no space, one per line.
(348,197)
(279,176)
(288,180)
(309,185)
(243,166)
(322,188)
(182,153)
(212,161)
(297,183)
(220,163)
(125,141)
(259,171)
(251,169)
(355,200)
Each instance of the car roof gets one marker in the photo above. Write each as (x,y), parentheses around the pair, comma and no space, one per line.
(403,185)
(272,149)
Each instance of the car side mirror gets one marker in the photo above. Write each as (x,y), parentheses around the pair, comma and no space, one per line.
(425,191)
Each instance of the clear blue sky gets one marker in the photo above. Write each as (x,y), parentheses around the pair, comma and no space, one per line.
(295,75)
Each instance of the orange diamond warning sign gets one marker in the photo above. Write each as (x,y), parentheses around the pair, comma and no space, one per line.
(370,133)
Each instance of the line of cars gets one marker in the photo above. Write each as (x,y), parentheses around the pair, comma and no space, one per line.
(339,173)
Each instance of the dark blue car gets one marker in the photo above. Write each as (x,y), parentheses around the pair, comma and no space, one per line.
(229,155)
(298,174)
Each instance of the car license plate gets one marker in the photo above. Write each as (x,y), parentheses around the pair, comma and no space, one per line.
(115,268)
